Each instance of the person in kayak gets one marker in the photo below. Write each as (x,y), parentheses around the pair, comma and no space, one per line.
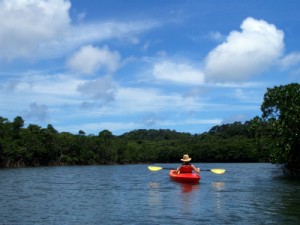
(186,167)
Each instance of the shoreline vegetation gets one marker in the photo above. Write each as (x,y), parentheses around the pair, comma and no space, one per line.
(37,146)
(274,137)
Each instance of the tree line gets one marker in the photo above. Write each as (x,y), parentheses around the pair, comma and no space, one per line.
(37,146)
(252,141)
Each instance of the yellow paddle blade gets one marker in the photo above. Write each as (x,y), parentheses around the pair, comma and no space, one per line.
(154,168)
(218,171)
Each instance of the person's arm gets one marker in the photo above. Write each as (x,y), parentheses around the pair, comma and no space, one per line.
(197,170)
(178,170)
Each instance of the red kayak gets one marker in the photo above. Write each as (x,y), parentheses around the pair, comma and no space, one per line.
(184,177)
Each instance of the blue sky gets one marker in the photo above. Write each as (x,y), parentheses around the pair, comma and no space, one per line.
(152,64)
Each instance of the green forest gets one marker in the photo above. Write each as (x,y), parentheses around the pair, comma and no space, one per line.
(36,146)
(273,137)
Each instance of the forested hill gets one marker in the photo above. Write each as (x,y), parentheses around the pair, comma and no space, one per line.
(222,131)
(155,135)
(37,146)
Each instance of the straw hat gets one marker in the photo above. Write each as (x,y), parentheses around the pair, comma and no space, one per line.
(186,158)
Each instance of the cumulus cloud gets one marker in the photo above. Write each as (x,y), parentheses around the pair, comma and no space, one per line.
(177,72)
(26,25)
(252,50)
(100,91)
(39,29)
(89,59)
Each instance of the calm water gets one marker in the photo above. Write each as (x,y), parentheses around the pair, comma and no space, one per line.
(131,194)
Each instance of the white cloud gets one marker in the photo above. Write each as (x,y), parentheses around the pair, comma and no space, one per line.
(38,83)
(26,25)
(217,36)
(100,91)
(245,53)
(177,72)
(247,96)
(52,90)
(90,33)
(39,29)
(59,97)
(89,59)
(290,60)
(133,100)
(100,31)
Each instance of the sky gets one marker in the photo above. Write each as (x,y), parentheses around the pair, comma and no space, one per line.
(183,65)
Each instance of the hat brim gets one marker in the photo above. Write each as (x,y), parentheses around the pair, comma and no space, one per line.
(186,160)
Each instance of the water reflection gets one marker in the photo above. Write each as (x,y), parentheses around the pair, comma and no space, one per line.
(288,199)
(154,194)
(154,185)
(186,188)
(189,194)
(218,197)
(218,186)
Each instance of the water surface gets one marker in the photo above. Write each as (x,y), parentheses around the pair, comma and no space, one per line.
(131,194)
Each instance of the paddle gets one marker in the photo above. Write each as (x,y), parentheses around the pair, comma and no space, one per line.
(157,168)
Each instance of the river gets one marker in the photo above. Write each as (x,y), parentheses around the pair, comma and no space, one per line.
(252,193)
